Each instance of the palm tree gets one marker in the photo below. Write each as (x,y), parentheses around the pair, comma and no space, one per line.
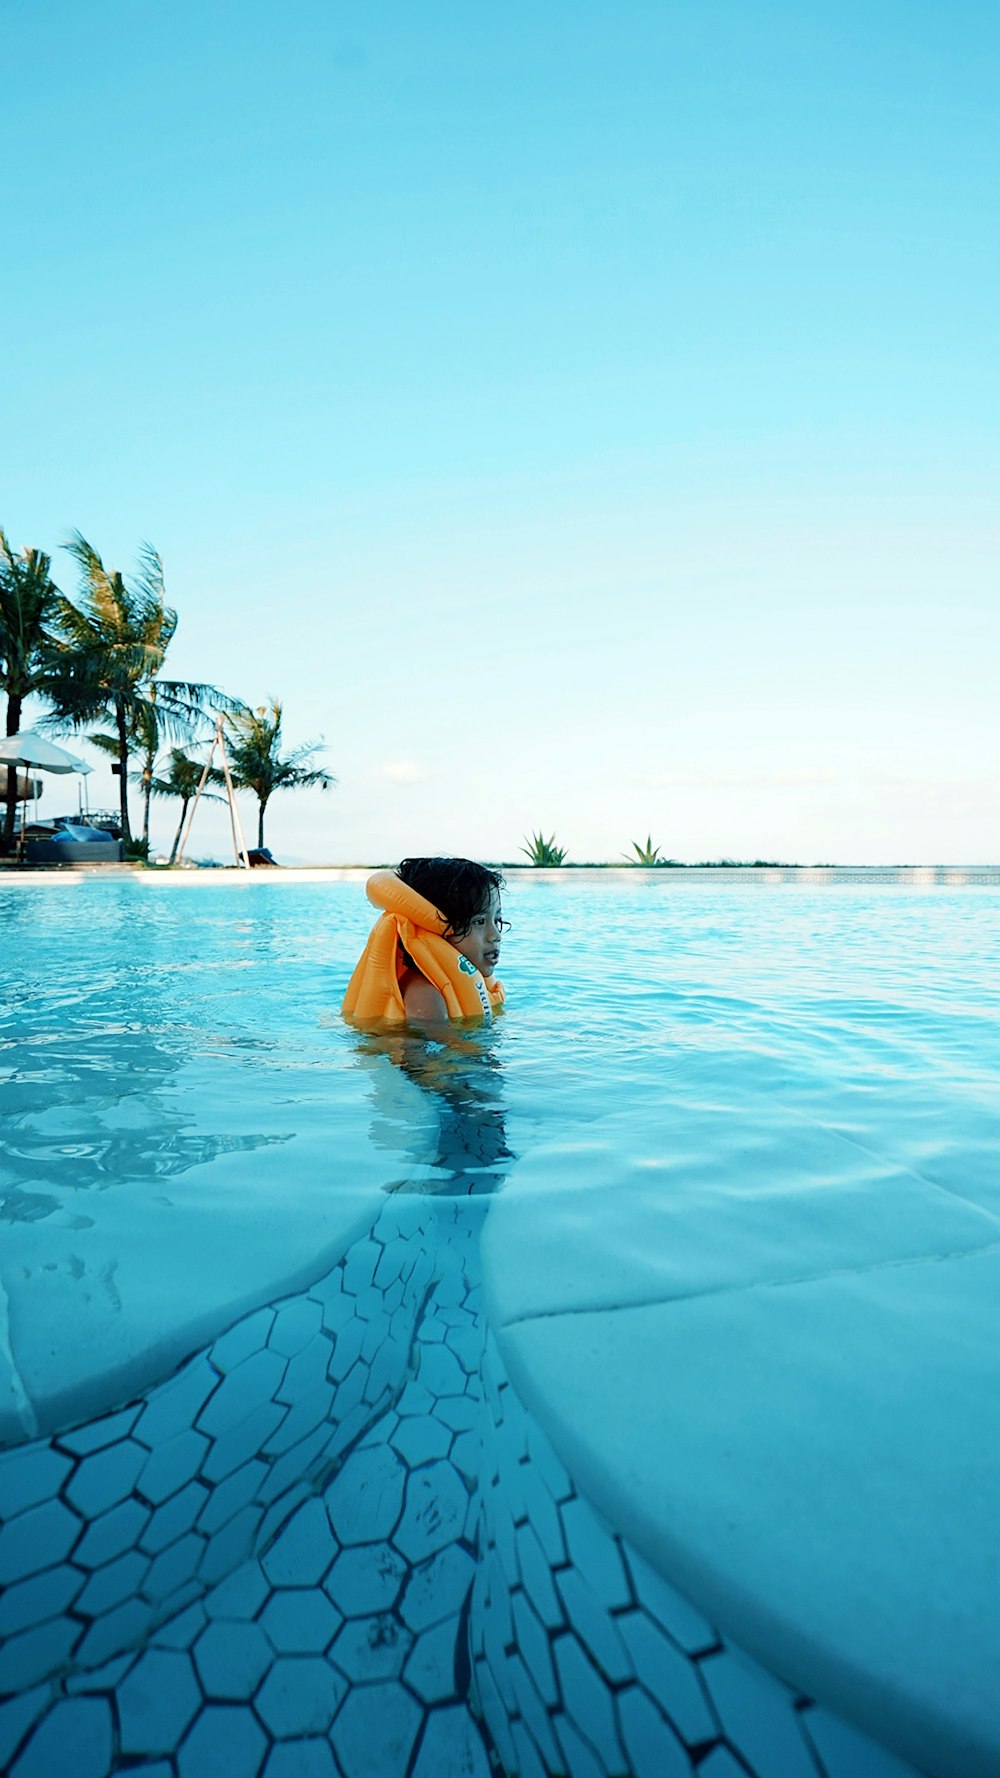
(181,779)
(255,757)
(144,739)
(112,649)
(29,602)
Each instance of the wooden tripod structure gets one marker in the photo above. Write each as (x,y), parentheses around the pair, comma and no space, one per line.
(239,843)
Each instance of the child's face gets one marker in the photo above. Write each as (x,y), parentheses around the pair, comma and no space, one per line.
(481,943)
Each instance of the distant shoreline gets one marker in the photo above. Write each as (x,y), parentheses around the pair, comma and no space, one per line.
(772,875)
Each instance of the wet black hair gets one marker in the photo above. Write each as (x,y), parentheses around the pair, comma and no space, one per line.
(458,888)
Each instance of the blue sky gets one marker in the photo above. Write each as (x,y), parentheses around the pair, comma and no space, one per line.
(583,416)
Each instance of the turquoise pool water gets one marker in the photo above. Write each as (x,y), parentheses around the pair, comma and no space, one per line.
(158,1034)
(283,1490)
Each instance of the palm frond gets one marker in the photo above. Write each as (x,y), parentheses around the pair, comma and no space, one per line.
(104,743)
(104,594)
(28,609)
(149,579)
(179,776)
(255,757)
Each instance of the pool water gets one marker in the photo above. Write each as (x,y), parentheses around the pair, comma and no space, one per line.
(151,1031)
(193,1140)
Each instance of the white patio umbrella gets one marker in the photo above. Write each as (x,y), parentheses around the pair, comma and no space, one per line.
(29,749)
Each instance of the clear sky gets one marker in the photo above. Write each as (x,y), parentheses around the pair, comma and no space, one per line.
(583,414)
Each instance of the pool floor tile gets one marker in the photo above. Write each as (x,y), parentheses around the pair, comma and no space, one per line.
(16,1717)
(533,1643)
(303,1550)
(225,1738)
(156,1702)
(103,1479)
(240,1594)
(300,1621)
(108,1586)
(101,1432)
(306,1372)
(586,1700)
(173,1407)
(669,1608)
(375,1731)
(306,1757)
(35,1539)
(243,1339)
(366,1580)
(32,1654)
(437,1589)
(594,1552)
(184,1629)
(581,1759)
(531,1708)
(434,1513)
(112,1534)
(42,1596)
(83,1724)
(755,1715)
(595,1626)
(173,1566)
(295,1326)
(365,1499)
(169,1522)
(430,1665)
(451,1747)
(30,1475)
(231,1659)
(372,1648)
(419,1439)
(537,1577)
(652,1748)
(675,1681)
(299,1696)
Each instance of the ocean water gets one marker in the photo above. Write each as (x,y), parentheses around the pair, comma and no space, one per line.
(154,1031)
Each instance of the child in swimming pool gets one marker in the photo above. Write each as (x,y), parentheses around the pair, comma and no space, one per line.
(433,908)
(469,895)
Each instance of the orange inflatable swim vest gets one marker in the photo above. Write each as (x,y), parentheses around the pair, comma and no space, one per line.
(412,923)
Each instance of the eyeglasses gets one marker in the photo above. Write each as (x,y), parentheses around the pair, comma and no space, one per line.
(501,925)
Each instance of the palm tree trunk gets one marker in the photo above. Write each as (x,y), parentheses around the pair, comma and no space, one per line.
(147,792)
(14,705)
(180,828)
(123,770)
(260,824)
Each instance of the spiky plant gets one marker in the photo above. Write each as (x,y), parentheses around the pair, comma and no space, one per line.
(647,854)
(543,851)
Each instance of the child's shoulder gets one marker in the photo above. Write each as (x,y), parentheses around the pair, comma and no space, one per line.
(420,997)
